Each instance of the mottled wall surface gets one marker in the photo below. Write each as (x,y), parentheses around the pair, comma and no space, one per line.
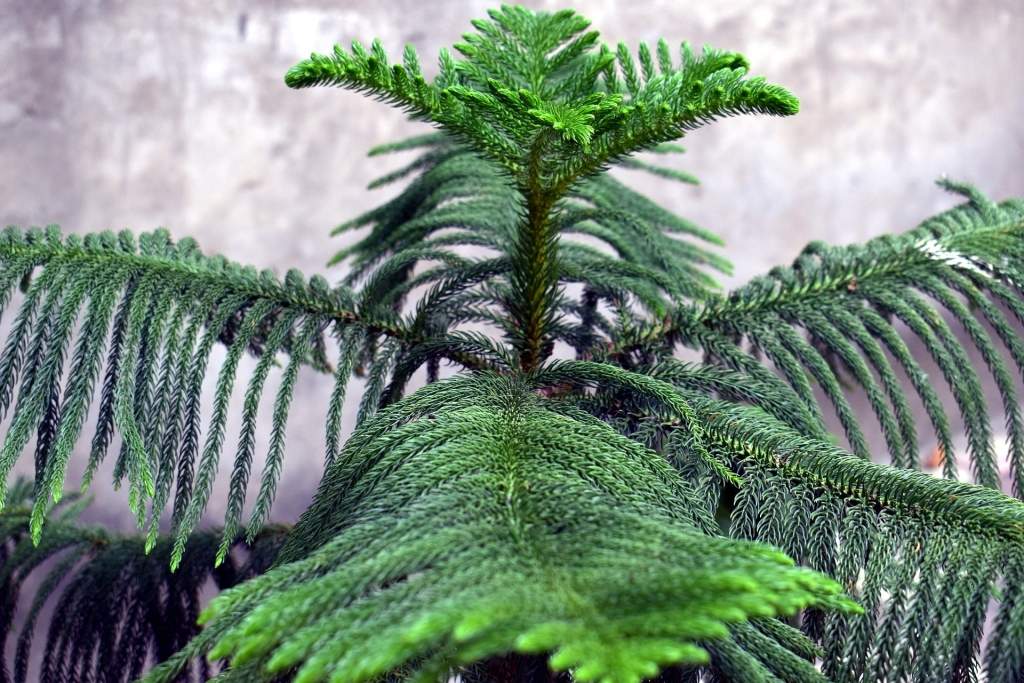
(143,113)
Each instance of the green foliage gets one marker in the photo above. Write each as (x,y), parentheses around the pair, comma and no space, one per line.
(958,269)
(95,634)
(538,98)
(155,309)
(620,516)
(470,520)
(936,547)
(457,200)
(537,94)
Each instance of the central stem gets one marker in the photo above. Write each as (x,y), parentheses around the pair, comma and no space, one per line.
(534,280)
(534,276)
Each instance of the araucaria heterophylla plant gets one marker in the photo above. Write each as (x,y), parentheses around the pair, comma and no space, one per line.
(570,501)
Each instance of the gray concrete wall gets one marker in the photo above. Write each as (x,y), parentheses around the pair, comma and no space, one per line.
(143,113)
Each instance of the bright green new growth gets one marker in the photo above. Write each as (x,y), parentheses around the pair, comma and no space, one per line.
(534,94)
(617,517)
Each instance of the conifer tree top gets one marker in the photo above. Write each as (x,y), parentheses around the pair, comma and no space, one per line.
(526,506)
(538,93)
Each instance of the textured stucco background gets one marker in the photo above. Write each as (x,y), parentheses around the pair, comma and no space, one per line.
(142,114)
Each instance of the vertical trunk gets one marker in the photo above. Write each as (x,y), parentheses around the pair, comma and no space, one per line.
(534,281)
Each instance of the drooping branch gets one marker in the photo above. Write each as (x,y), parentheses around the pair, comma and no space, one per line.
(834,310)
(151,313)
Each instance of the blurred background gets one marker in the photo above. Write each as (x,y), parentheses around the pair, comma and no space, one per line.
(142,114)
